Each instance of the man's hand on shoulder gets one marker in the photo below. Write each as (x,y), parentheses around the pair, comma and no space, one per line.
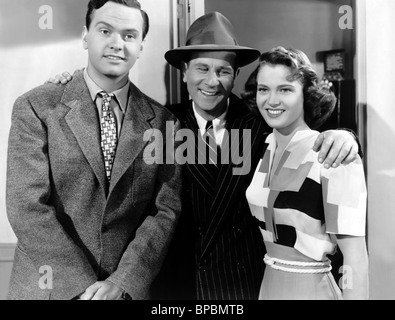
(62,78)
(336,147)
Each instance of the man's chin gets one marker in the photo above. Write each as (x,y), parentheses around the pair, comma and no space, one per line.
(214,105)
(115,75)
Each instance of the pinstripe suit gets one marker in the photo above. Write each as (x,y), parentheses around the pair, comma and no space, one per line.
(217,252)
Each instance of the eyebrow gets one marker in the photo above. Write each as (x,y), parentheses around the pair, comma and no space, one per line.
(279,86)
(111,27)
(203,64)
(230,68)
(105,23)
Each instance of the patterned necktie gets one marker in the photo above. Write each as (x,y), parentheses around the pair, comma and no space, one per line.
(109,137)
(209,139)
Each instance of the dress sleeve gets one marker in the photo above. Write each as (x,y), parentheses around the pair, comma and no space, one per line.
(345,197)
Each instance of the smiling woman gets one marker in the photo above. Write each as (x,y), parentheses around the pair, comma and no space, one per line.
(279,100)
(305,212)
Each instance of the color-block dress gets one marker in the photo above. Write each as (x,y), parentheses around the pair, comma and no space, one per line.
(299,213)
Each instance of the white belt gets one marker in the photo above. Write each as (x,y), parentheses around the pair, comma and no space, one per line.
(303,267)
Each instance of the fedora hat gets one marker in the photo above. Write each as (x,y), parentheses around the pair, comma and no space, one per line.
(211,32)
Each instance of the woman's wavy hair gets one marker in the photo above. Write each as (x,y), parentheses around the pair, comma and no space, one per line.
(319,102)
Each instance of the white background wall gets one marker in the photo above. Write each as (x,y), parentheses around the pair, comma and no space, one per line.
(30,55)
(380,103)
(308,25)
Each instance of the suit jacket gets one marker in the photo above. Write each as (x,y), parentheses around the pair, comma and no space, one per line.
(73,228)
(217,252)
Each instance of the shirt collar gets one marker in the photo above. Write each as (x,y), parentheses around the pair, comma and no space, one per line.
(121,94)
(218,123)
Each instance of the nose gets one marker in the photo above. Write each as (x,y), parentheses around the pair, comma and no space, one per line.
(116,42)
(212,79)
(273,100)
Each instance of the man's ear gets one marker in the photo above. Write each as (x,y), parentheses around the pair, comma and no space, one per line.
(141,48)
(84,38)
(237,72)
(184,67)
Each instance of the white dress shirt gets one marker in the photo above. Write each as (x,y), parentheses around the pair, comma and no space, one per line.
(118,104)
(218,124)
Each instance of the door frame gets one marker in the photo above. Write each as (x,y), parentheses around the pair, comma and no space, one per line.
(184,13)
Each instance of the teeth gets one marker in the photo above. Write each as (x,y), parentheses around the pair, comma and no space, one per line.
(114,58)
(208,93)
(275,112)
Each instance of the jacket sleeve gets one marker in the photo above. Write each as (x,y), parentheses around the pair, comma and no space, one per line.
(28,192)
(145,254)
(360,151)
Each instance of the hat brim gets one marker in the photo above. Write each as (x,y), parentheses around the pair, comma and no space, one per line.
(245,55)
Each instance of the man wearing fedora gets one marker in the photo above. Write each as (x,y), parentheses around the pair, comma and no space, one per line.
(216,253)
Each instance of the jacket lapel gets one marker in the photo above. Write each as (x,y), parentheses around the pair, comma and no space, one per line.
(84,123)
(131,142)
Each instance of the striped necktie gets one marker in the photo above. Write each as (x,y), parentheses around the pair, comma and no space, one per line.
(212,148)
(109,138)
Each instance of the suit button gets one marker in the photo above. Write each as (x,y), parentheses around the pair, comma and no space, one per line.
(202,268)
(237,229)
(200,231)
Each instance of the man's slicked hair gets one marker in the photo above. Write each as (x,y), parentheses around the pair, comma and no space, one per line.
(97,4)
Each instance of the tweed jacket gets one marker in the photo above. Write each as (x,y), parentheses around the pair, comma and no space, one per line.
(217,252)
(74,229)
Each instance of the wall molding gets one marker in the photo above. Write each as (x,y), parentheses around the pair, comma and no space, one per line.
(7,252)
